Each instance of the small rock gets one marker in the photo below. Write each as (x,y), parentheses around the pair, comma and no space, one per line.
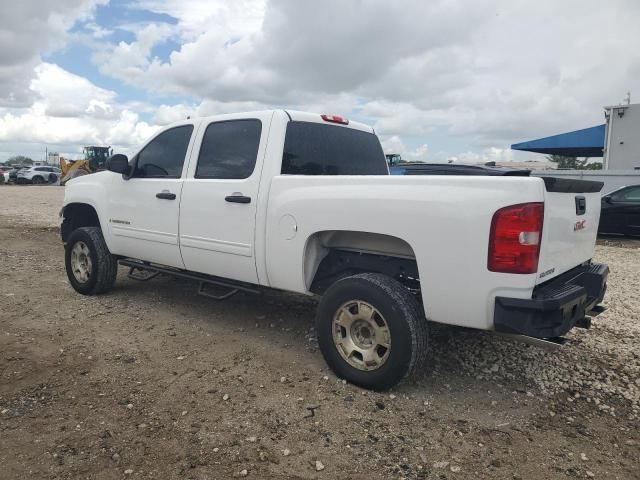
(325,378)
(583,457)
(319,466)
(128,471)
(4,410)
(216,450)
(629,443)
(392,396)
(286,452)
(130,406)
(590,474)
(252,439)
(443,464)
(115,457)
(283,379)
(243,473)
(225,397)
(455,468)
(181,357)
(380,405)
(348,398)
(184,412)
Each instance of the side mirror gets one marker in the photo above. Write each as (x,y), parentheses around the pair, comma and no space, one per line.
(607,198)
(118,163)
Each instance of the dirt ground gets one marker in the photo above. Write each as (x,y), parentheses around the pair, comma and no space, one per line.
(154,381)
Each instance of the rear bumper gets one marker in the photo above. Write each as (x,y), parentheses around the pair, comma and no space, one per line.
(556,306)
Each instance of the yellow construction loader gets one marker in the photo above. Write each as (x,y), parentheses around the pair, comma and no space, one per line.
(94,160)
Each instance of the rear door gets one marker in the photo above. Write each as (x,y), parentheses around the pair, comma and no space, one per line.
(219,197)
(571,216)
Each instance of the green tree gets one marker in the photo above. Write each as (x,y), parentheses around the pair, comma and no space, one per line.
(19,160)
(572,163)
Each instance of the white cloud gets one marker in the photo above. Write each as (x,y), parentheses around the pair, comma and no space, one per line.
(394,144)
(488,73)
(63,94)
(28,29)
(481,74)
(70,110)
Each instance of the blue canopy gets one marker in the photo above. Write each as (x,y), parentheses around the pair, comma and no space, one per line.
(587,142)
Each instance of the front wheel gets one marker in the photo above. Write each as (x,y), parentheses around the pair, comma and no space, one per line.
(37,180)
(371,330)
(91,268)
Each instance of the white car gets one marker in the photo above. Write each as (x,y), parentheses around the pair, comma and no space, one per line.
(305,203)
(39,175)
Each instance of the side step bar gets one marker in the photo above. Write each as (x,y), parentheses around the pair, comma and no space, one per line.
(551,343)
(204,280)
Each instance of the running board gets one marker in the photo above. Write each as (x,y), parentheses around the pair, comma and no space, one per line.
(203,280)
(551,343)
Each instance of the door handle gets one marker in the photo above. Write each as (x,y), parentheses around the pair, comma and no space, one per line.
(237,198)
(166,195)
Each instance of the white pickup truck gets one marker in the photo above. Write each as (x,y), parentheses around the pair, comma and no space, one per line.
(305,203)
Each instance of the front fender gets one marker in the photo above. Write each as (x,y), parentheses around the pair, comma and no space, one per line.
(91,190)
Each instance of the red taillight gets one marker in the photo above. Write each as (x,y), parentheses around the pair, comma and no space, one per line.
(335,119)
(514,241)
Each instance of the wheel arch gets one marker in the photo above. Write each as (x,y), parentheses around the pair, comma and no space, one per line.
(76,215)
(333,254)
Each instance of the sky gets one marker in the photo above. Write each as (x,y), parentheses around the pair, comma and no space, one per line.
(438,80)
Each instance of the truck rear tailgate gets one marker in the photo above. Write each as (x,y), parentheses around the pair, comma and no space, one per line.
(571,216)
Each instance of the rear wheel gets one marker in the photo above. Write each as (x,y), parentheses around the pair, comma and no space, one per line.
(91,268)
(371,330)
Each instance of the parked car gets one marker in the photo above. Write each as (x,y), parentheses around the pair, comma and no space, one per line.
(620,211)
(11,175)
(305,203)
(38,175)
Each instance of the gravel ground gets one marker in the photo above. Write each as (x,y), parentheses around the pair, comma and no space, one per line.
(153,381)
(32,205)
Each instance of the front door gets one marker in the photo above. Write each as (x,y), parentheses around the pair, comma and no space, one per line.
(630,202)
(144,210)
(219,197)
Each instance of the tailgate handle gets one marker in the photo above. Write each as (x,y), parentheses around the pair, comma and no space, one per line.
(581,205)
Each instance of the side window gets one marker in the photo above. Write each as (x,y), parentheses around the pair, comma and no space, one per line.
(631,195)
(229,149)
(164,156)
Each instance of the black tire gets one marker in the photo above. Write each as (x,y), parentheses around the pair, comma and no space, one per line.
(53,178)
(104,266)
(37,180)
(403,315)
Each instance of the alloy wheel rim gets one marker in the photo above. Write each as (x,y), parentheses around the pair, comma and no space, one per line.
(361,335)
(81,264)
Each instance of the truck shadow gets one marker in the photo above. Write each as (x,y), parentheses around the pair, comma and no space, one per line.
(457,357)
